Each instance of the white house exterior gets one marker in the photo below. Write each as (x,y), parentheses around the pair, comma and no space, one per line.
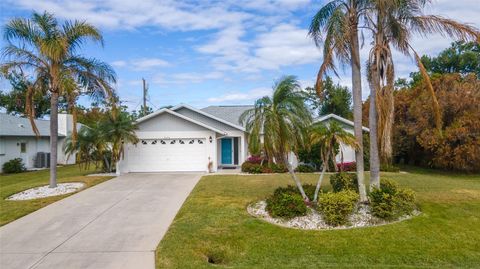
(184,139)
(17,139)
(347,152)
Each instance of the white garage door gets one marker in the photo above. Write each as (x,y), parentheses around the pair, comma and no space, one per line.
(164,155)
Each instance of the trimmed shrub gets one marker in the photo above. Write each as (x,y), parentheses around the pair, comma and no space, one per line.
(308,188)
(255,159)
(251,168)
(390,202)
(304,168)
(336,207)
(278,168)
(347,167)
(14,166)
(344,181)
(286,205)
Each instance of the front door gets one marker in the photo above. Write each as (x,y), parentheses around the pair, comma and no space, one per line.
(226,151)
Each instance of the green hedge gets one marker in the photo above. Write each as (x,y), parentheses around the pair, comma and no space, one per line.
(344,181)
(336,207)
(390,202)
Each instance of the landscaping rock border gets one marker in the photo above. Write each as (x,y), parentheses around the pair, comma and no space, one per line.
(46,191)
(314,220)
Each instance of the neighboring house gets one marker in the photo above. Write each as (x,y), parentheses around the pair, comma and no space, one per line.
(347,151)
(184,138)
(17,139)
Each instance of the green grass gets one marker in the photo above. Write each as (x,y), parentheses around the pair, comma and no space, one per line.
(213,223)
(13,183)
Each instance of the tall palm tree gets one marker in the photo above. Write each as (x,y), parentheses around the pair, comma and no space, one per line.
(393,23)
(329,137)
(282,120)
(335,26)
(118,129)
(50,50)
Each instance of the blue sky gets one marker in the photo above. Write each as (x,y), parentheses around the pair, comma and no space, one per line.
(210,52)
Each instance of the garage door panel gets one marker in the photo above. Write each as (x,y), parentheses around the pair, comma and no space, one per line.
(159,155)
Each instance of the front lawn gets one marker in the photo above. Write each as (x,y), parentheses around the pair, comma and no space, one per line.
(13,183)
(213,224)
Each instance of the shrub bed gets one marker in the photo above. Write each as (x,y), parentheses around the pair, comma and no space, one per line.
(344,181)
(336,207)
(390,202)
(14,166)
(285,204)
(265,168)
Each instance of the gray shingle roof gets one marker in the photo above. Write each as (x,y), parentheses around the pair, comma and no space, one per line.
(228,113)
(17,126)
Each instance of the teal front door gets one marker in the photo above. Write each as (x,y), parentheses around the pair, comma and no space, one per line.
(226,151)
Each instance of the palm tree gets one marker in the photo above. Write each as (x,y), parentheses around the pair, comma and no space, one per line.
(282,120)
(329,137)
(90,147)
(392,24)
(50,51)
(118,129)
(336,26)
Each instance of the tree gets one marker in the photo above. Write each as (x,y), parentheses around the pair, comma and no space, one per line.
(118,129)
(329,137)
(90,147)
(335,99)
(282,120)
(50,51)
(14,101)
(462,57)
(142,112)
(392,23)
(338,21)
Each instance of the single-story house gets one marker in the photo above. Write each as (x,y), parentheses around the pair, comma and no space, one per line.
(347,152)
(17,140)
(184,138)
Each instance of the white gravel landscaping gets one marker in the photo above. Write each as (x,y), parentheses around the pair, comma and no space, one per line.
(314,221)
(46,191)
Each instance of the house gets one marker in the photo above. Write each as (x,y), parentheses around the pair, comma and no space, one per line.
(17,139)
(184,138)
(347,152)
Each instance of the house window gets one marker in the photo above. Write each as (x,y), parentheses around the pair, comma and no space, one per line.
(144,142)
(181,142)
(23,147)
(154,142)
(200,141)
(172,142)
(191,141)
(163,142)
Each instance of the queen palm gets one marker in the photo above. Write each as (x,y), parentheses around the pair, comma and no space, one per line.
(50,51)
(335,26)
(282,121)
(392,24)
(329,137)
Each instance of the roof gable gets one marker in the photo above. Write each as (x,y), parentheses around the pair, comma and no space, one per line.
(340,119)
(178,115)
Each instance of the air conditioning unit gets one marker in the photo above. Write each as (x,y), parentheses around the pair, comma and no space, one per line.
(42,160)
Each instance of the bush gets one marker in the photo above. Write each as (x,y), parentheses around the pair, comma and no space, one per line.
(286,205)
(308,188)
(278,168)
(254,159)
(389,168)
(347,167)
(337,207)
(344,181)
(14,166)
(251,168)
(305,168)
(390,202)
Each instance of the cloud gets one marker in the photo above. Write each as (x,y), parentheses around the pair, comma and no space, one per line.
(141,64)
(185,78)
(239,97)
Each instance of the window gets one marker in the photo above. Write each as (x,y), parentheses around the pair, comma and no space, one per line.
(181,142)
(172,142)
(144,142)
(191,141)
(154,142)
(200,141)
(163,142)
(23,147)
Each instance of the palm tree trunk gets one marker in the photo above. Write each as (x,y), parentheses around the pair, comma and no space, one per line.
(53,138)
(297,182)
(320,179)
(357,112)
(372,118)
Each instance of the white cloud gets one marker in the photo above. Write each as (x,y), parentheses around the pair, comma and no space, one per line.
(141,64)
(185,78)
(239,97)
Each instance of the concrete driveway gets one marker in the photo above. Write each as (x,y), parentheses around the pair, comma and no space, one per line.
(116,224)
